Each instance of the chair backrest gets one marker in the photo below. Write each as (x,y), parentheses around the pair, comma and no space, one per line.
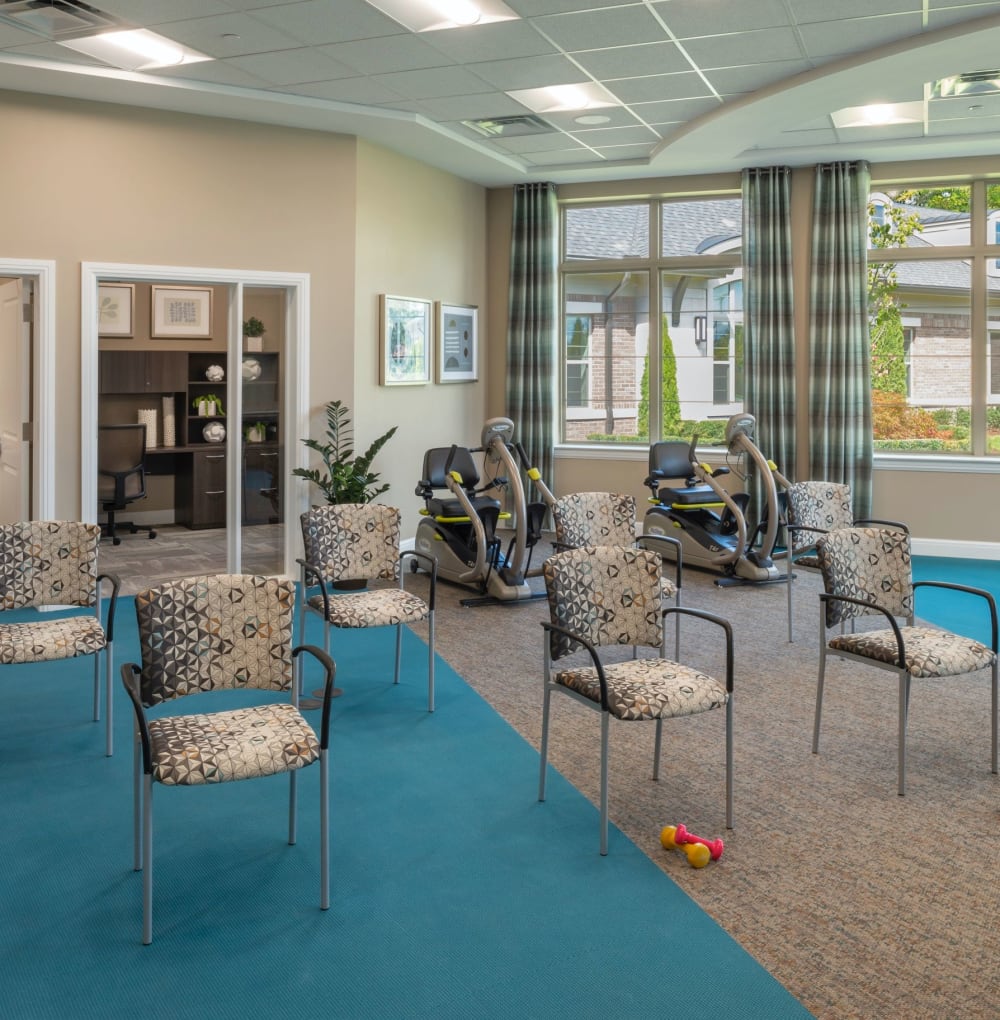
(609,595)
(825,506)
(220,631)
(48,563)
(352,540)
(670,458)
(594,518)
(121,455)
(436,461)
(866,563)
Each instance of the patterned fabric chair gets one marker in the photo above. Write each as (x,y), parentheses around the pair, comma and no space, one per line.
(609,518)
(812,509)
(352,542)
(202,634)
(625,583)
(54,563)
(867,572)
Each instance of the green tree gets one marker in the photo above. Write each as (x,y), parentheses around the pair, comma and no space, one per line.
(956,199)
(671,425)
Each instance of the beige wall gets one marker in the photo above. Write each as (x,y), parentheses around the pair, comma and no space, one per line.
(925,499)
(420,233)
(104,183)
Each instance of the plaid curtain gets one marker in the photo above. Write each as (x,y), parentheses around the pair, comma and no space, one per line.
(531,321)
(769,340)
(840,413)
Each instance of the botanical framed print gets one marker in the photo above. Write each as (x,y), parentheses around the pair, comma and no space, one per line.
(405,341)
(457,343)
(181,312)
(115,309)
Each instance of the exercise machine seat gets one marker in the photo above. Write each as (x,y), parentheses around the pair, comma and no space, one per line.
(672,459)
(435,478)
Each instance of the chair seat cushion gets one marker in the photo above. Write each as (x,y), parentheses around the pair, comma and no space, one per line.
(263,740)
(381,607)
(929,652)
(51,639)
(648,689)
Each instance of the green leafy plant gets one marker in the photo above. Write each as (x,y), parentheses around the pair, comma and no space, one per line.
(253,327)
(209,398)
(348,478)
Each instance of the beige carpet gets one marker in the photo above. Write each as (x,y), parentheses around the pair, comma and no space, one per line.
(862,903)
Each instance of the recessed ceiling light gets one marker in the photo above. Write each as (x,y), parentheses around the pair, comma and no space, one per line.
(878,115)
(138,50)
(434,15)
(592,118)
(565,98)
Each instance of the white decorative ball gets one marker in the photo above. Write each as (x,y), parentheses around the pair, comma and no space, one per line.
(251,368)
(214,432)
(215,373)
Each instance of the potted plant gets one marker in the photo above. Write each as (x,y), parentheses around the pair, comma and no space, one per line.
(347,478)
(253,331)
(208,405)
(256,433)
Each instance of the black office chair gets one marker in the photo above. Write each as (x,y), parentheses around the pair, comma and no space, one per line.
(121,474)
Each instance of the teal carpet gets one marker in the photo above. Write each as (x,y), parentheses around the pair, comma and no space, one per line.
(454,892)
(964,614)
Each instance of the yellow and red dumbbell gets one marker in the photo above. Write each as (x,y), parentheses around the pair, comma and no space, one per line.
(697,850)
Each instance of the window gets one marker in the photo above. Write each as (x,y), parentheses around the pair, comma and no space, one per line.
(925,276)
(631,382)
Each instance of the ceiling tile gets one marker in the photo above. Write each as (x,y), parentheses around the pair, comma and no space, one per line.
(432,82)
(690,18)
(534,8)
(288,67)
(218,72)
(670,112)
(629,151)
(229,35)
(474,107)
(599,138)
(834,38)
(634,61)
(348,90)
(390,53)
(498,40)
(807,11)
(953,15)
(529,72)
(736,50)
(318,21)
(688,85)
(539,143)
(156,12)
(617,27)
(618,116)
(559,157)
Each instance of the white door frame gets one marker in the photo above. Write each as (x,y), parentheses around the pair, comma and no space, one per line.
(43,383)
(295,420)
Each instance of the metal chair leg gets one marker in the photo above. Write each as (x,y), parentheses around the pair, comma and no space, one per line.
(544,748)
(656,748)
(109,749)
(324,831)
(293,803)
(147,861)
(399,652)
(605,720)
(904,705)
(430,661)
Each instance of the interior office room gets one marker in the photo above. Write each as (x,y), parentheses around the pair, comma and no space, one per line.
(312,159)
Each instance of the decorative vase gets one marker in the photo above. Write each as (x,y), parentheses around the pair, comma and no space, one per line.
(169,422)
(147,416)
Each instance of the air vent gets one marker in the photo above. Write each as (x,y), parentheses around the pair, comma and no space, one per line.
(972,83)
(55,19)
(508,127)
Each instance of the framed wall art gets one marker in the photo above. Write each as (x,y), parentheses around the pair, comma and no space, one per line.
(457,343)
(181,312)
(405,340)
(115,309)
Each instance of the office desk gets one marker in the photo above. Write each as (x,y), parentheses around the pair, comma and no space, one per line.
(199,472)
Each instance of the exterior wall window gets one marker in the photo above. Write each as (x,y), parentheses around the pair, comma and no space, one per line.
(646,383)
(925,276)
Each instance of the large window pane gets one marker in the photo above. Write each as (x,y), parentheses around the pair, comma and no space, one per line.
(709,226)
(917,217)
(607,232)
(702,343)
(606,342)
(921,355)
(992,358)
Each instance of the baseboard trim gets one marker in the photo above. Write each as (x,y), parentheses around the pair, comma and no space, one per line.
(956,548)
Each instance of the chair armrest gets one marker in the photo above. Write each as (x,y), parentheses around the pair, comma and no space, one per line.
(898,525)
(116,584)
(982,593)
(719,621)
(591,650)
(130,679)
(432,569)
(330,669)
(649,542)
(900,647)
(309,570)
